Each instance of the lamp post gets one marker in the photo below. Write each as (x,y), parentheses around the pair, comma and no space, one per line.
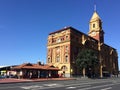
(71,71)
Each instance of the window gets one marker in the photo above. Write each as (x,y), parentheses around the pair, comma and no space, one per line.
(57,59)
(53,40)
(57,50)
(77,39)
(58,40)
(49,60)
(66,37)
(66,58)
(64,68)
(93,25)
(62,39)
(66,48)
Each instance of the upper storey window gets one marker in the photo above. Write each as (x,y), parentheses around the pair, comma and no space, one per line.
(58,40)
(62,38)
(66,47)
(57,59)
(53,40)
(66,37)
(49,60)
(57,50)
(66,58)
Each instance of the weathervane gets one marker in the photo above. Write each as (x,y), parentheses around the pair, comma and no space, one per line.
(94,6)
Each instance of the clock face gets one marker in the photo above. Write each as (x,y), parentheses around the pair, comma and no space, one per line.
(93,33)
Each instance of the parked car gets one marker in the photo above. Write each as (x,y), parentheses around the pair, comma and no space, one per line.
(12,76)
(2,77)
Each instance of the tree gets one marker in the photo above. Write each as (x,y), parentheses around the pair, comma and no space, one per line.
(87,58)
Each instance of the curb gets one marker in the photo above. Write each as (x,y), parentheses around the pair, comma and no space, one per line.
(30,81)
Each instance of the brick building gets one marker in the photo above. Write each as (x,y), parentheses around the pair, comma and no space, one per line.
(64,45)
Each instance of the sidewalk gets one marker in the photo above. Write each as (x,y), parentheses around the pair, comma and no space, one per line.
(13,80)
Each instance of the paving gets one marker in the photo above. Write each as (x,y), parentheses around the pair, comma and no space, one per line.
(14,80)
(60,84)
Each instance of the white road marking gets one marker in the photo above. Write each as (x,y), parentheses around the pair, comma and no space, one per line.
(96,87)
(84,86)
(84,83)
(70,87)
(107,88)
(44,86)
(54,84)
(31,87)
(78,86)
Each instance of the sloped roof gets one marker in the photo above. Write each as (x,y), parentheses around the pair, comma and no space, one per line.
(34,66)
(95,16)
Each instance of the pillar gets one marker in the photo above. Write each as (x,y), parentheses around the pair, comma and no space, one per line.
(101,71)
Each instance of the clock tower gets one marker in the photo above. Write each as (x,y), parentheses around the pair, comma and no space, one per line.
(95,28)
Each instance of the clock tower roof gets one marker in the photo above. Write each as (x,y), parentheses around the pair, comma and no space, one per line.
(95,16)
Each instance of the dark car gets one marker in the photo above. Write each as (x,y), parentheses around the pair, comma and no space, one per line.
(13,76)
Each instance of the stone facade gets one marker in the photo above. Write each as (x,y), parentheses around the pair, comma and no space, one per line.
(64,45)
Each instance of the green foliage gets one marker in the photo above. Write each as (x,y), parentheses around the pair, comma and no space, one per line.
(87,58)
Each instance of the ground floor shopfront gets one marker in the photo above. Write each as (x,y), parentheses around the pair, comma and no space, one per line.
(36,71)
(32,73)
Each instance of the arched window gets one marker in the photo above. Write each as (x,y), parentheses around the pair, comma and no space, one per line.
(58,49)
(66,37)
(49,60)
(58,59)
(64,68)
(66,58)
(58,40)
(93,25)
(66,47)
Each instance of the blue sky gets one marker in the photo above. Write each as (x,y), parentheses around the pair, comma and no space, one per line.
(25,25)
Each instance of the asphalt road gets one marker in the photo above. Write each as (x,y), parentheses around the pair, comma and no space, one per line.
(78,84)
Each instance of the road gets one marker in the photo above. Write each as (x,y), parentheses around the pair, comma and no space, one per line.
(78,84)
